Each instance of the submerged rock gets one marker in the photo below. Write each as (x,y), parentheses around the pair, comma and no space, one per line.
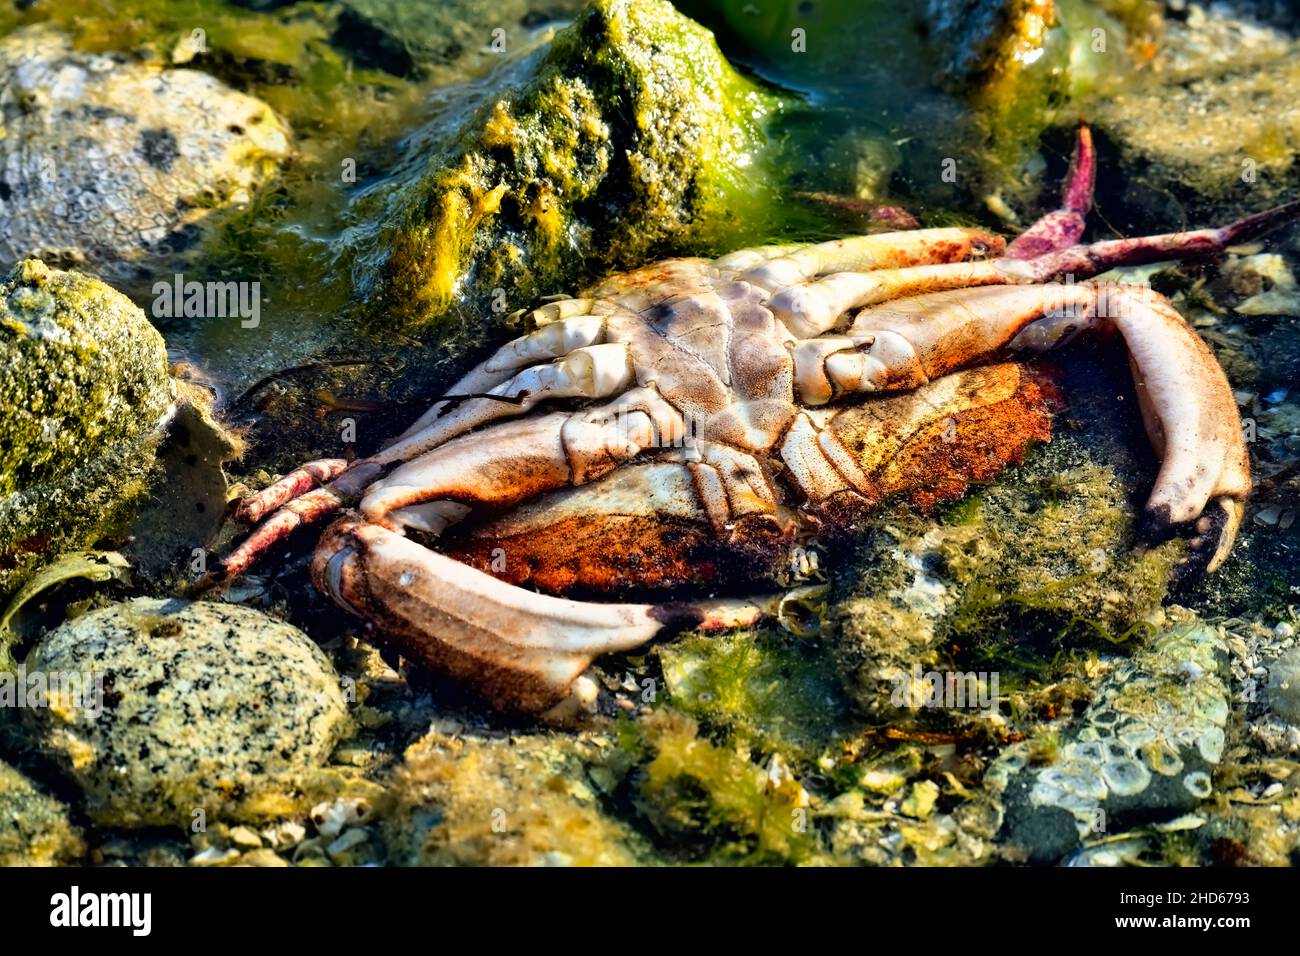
(1233,81)
(525,800)
(110,165)
(193,707)
(1284,686)
(1044,555)
(406,37)
(1144,750)
(34,827)
(629,131)
(83,393)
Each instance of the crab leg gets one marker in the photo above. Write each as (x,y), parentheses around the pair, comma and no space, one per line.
(1064,227)
(515,460)
(293,485)
(1083,261)
(574,327)
(884,250)
(525,649)
(811,308)
(293,514)
(1187,403)
(593,371)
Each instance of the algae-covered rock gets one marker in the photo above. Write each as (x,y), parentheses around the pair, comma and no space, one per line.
(711,802)
(528,800)
(1145,749)
(1233,80)
(187,707)
(629,132)
(1043,558)
(1284,686)
(83,390)
(34,827)
(406,37)
(111,165)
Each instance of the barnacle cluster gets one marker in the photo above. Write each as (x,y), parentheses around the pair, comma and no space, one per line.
(1145,747)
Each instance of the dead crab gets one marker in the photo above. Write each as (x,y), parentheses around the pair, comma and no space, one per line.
(694,414)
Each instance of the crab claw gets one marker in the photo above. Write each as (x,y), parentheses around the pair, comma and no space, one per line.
(522,649)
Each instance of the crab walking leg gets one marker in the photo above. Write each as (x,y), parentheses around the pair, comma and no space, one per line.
(303,510)
(884,250)
(1186,400)
(513,461)
(744,259)
(573,328)
(1063,227)
(521,648)
(811,308)
(293,485)
(595,371)
(1082,261)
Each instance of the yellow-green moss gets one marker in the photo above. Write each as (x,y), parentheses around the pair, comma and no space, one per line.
(526,800)
(34,827)
(764,687)
(694,788)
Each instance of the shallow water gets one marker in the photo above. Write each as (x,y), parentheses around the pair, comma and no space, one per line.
(865,122)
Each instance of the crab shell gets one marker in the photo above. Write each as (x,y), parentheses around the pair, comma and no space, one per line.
(696,414)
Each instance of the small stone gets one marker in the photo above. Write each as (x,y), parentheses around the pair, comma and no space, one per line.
(919,803)
(203,707)
(1268,515)
(331,818)
(262,857)
(285,835)
(246,837)
(214,856)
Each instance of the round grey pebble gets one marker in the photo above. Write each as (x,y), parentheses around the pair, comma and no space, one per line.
(191,710)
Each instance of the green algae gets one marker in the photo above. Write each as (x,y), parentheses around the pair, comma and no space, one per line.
(715,799)
(766,688)
(532,799)
(630,134)
(35,829)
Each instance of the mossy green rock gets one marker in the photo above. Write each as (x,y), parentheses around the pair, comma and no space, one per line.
(1040,561)
(627,133)
(83,388)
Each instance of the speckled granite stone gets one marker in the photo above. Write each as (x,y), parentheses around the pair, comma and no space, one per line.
(206,706)
(34,827)
(109,164)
